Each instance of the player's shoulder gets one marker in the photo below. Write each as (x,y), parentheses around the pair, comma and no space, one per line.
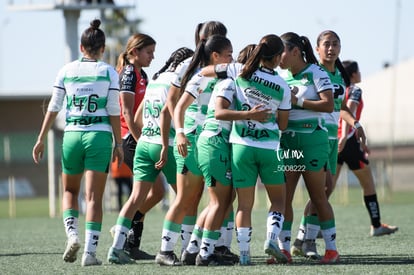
(128,70)
(317,70)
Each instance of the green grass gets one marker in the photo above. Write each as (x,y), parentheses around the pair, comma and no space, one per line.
(32,243)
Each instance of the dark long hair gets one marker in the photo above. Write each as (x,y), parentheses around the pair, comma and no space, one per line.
(291,40)
(338,62)
(209,28)
(245,53)
(268,47)
(350,66)
(201,57)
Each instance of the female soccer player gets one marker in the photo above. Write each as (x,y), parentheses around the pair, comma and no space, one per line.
(354,153)
(328,48)
(138,54)
(203,32)
(151,155)
(255,143)
(305,141)
(189,116)
(92,121)
(262,101)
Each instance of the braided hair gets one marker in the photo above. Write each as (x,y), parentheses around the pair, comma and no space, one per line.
(176,58)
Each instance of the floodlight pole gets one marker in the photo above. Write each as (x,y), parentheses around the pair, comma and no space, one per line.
(71,34)
(394,91)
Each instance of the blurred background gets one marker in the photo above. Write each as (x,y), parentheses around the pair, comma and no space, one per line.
(37,37)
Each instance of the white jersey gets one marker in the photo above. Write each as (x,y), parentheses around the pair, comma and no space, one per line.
(86,85)
(200,88)
(332,119)
(154,100)
(232,69)
(264,87)
(307,84)
(180,71)
(225,88)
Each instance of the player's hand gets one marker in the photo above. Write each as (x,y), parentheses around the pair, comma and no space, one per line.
(38,150)
(182,142)
(259,114)
(118,155)
(163,159)
(362,139)
(341,144)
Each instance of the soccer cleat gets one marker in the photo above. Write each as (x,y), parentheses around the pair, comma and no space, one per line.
(188,258)
(309,250)
(90,259)
(384,229)
(331,257)
(72,247)
(133,250)
(225,253)
(211,260)
(272,259)
(271,248)
(137,254)
(167,258)
(118,256)
(296,249)
(288,256)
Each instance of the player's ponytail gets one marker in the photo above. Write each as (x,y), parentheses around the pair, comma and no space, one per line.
(135,41)
(201,57)
(268,47)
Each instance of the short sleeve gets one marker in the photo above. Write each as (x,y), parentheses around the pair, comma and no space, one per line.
(226,89)
(128,79)
(322,80)
(355,94)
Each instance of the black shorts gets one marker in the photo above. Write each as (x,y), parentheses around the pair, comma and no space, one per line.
(353,155)
(129,144)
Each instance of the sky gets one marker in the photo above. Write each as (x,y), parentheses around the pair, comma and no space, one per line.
(373,32)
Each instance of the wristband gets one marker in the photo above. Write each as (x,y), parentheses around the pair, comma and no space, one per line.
(357,124)
(300,102)
(179,131)
(118,145)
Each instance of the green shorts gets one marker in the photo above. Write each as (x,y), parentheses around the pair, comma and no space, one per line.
(189,163)
(250,162)
(304,151)
(214,160)
(333,155)
(146,155)
(86,151)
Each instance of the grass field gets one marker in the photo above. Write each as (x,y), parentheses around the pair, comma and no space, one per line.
(32,243)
